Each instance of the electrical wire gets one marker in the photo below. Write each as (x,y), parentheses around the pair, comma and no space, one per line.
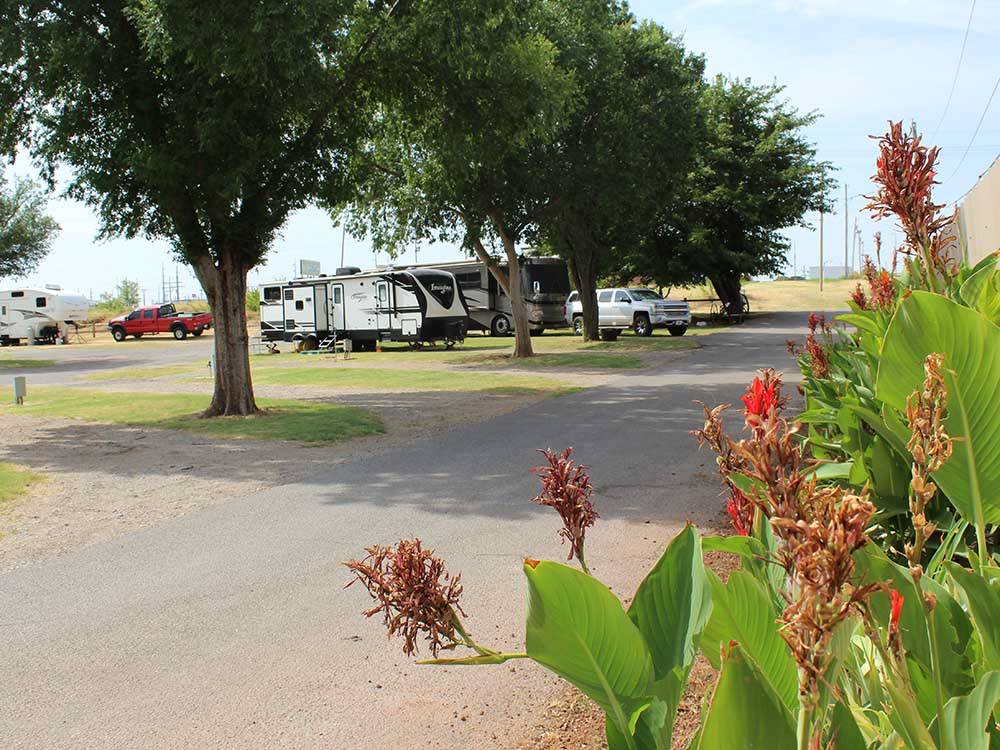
(978,125)
(958,68)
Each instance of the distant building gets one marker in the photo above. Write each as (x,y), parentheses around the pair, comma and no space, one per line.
(829,272)
(979,215)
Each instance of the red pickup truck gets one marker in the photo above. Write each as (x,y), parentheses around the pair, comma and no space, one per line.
(159,319)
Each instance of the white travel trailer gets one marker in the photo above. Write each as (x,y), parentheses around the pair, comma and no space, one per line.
(544,284)
(418,305)
(33,314)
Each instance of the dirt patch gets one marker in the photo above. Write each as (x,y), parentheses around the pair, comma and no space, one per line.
(106,480)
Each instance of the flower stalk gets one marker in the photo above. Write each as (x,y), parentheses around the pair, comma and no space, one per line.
(566,488)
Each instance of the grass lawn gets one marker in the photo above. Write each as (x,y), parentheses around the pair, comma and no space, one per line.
(144,373)
(14,482)
(282,419)
(582,359)
(16,364)
(398,379)
(799,295)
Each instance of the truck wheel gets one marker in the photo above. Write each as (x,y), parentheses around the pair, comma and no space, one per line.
(609,334)
(642,325)
(118,334)
(197,332)
(677,330)
(577,325)
(501,326)
(180,333)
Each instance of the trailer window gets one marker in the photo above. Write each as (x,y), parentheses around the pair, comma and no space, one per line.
(272,293)
(40,302)
(336,295)
(469,280)
(3,309)
(289,294)
(604,297)
(299,305)
(551,278)
(383,293)
(17,294)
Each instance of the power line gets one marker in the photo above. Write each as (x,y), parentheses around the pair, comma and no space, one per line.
(978,125)
(958,68)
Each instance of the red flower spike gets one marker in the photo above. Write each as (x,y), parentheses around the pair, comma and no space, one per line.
(896,609)
(566,487)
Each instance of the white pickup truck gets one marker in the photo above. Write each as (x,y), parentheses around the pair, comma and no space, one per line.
(639,309)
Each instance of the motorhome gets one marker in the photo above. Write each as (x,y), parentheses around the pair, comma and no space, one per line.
(44,315)
(544,284)
(415,305)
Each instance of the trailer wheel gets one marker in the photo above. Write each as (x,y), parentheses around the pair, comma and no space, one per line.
(118,334)
(501,326)
(180,333)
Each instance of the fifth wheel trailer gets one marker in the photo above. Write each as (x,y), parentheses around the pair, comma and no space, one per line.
(544,284)
(41,314)
(416,305)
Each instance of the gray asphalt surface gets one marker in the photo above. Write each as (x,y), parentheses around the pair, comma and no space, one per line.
(231,627)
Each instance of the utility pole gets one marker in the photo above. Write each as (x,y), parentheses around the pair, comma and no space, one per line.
(822,205)
(854,242)
(416,252)
(847,268)
(177,283)
(343,241)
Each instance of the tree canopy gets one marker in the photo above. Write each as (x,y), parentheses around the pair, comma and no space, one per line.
(756,174)
(204,122)
(26,231)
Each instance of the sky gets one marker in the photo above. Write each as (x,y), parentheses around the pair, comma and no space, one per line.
(858,63)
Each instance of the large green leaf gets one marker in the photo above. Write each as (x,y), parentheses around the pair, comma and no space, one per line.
(577,628)
(743,612)
(981,291)
(984,604)
(965,718)
(746,713)
(670,609)
(926,323)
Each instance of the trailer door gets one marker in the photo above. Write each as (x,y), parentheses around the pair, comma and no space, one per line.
(300,312)
(383,308)
(337,322)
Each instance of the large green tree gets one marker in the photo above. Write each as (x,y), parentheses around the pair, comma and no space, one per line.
(26,231)
(756,174)
(626,148)
(477,91)
(205,122)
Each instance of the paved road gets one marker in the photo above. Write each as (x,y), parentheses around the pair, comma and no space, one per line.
(231,628)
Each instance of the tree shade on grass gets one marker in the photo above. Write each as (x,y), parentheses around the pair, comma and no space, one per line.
(19,364)
(281,419)
(397,379)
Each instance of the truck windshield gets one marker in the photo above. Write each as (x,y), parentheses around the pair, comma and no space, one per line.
(644,294)
(547,279)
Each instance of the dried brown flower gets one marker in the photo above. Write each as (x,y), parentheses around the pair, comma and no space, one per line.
(930,445)
(566,487)
(818,346)
(413,593)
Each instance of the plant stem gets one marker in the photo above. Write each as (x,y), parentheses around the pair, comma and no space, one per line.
(583,563)
(804,730)
(984,554)
(935,663)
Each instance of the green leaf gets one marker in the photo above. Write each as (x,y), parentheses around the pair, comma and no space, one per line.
(577,628)
(673,604)
(906,718)
(844,729)
(926,323)
(984,604)
(953,626)
(833,470)
(965,718)
(981,291)
(863,321)
(670,609)
(744,613)
(745,713)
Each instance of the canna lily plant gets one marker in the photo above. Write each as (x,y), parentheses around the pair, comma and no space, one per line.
(821,641)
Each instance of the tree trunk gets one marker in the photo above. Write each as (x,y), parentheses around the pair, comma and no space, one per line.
(225,285)
(518,308)
(586,285)
(728,287)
